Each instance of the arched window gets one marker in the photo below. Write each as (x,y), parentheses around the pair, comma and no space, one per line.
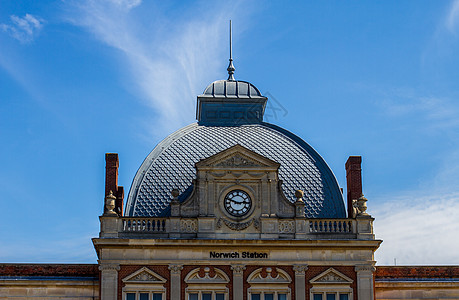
(270,287)
(206,287)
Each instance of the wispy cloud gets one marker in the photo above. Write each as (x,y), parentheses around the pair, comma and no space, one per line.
(23,29)
(169,60)
(452,17)
(418,228)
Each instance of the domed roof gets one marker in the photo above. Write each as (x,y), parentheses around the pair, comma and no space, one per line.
(171,166)
(231,89)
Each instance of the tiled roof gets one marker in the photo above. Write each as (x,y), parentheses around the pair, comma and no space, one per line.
(171,166)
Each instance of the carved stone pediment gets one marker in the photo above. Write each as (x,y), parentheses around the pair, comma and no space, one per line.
(218,277)
(237,157)
(144,275)
(331,276)
(257,276)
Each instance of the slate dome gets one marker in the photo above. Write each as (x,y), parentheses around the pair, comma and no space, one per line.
(171,166)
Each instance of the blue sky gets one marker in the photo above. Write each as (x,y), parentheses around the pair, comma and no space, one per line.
(373,78)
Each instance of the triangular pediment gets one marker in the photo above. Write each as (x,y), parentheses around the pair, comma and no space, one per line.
(237,157)
(144,275)
(331,276)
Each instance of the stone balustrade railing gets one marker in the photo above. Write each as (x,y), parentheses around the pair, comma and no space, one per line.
(144,224)
(294,228)
(332,226)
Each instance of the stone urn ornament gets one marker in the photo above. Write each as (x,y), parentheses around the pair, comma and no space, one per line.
(362,205)
(110,204)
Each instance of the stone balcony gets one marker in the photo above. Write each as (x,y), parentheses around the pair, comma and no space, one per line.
(359,228)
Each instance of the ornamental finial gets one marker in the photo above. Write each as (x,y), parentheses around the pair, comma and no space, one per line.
(231,68)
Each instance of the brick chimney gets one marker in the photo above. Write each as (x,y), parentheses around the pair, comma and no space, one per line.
(111,181)
(354,181)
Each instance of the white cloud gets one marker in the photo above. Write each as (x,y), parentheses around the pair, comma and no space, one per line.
(417,229)
(169,60)
(452,17)
(23,29)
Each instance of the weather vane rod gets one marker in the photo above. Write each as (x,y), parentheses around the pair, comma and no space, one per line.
(231,68)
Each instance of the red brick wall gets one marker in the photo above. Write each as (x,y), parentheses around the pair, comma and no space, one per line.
(417,272)
(58,270)
(354,181)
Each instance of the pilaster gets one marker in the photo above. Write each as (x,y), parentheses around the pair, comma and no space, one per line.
(238,282)
(365,289)
(300,283)
(109,281)
(176,271)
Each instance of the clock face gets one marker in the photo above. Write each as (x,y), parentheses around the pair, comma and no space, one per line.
(237,203)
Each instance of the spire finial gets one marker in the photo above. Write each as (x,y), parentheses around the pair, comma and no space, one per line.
(231,68)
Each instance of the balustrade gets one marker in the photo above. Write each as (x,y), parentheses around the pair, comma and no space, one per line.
(144,224)
(331,226)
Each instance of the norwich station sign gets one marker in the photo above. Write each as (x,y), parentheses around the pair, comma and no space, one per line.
(237,254)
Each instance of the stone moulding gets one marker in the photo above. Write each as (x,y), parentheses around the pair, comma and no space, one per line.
(238,226)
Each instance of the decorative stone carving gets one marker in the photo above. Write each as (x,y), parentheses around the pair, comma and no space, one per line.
(109,267)
(331,276)
(362,205)
(188,226)
(110,205)
(175,269)
(300,269)
(238,269)
(237,161)
(144,275)
(256,276)
(286,226)
(194,277)
(365,268)
(238,226)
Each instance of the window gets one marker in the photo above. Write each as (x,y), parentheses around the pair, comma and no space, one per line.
(206,295)
(144,296)
(144,284)
(269,287)
(331,285)
(331,296)
(207,287)
(269,296)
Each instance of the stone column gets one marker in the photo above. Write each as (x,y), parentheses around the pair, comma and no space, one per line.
(238,282)
(176,271)
(300,283)
(365,289)
(109,281)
